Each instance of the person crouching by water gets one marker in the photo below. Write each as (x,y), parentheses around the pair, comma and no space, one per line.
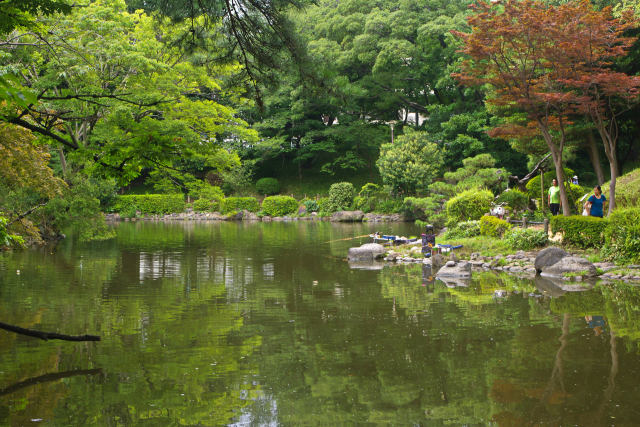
(595,203)
(554,197)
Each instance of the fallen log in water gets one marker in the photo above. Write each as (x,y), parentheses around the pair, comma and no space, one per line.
(47,335)
(46,378)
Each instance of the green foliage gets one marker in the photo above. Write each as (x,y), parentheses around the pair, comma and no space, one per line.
(324,206)
(463,229)
(236,204)
(8,240)
(279,205)
(580,231)
(627,190)
(341,195)
(204,205)
(268,186)
(477,172)
(427,209)
(574,192)
(370,190)
(622,236)
(525,238)
(411,163)
(206,191)
(311,205)
(78,209)
(389,206)
(149,204)
(514,199)
(468,205)
(238,179)
(493,226)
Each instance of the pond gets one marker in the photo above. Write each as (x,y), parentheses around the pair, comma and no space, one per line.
(267,324)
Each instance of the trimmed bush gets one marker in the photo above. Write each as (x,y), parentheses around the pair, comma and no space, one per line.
(389,206)
(580,231)
(493,226)
(279,205)
(515,199)
(622,236)
(323,206)
(463,229)
(150,204)
(341,196)
(268,186)
(236,204)
(525,238)
(469,205)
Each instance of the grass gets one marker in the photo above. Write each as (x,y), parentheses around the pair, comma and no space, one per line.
(486,246)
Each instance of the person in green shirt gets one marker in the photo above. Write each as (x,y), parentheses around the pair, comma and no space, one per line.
(554,197)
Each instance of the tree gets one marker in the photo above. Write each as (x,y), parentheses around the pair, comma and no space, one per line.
(411,163)
(553,63)
(116,93)
(588,42)
(508,50)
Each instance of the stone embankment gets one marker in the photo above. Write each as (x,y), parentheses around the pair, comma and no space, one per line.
(190,215)
(552,263)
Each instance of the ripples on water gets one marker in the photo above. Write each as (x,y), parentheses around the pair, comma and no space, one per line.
(266,324)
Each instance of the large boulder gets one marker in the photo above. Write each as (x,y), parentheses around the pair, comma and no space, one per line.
(347,216)
(460,270)
(570,264)
(366,252)
(547,257)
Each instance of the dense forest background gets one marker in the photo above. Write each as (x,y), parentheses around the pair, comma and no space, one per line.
(112,97)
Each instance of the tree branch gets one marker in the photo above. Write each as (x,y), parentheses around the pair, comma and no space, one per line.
(47,335)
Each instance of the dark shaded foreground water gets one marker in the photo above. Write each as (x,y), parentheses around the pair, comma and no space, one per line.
(266,324)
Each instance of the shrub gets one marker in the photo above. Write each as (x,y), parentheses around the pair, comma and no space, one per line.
(323,206)
(411,163)
(341,196)
(365,204)
(204,205)
(580,231)
(515,199)
(370,190)
(622,236)
(311,205)
(208,192)
(234,204)
(268,186)
(525,238)
(389,206)
(574,192)
(150,204)
(493,226)
(463,229)
(279,205)
(420,207)
(469,205)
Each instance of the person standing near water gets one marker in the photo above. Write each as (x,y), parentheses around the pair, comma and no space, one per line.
(554,197)
(595,203)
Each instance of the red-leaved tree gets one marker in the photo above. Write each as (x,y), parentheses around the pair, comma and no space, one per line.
(551,62)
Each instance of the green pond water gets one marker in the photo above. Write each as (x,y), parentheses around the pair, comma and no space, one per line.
(267,324)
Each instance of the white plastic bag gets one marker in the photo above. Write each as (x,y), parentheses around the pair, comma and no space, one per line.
(584,212)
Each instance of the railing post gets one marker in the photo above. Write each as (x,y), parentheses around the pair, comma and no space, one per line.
(546,226)
(524,222)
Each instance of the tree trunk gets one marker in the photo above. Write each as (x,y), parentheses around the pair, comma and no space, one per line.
(557,162)
(594,155)
(613,167)
(556,154)
(63,162)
